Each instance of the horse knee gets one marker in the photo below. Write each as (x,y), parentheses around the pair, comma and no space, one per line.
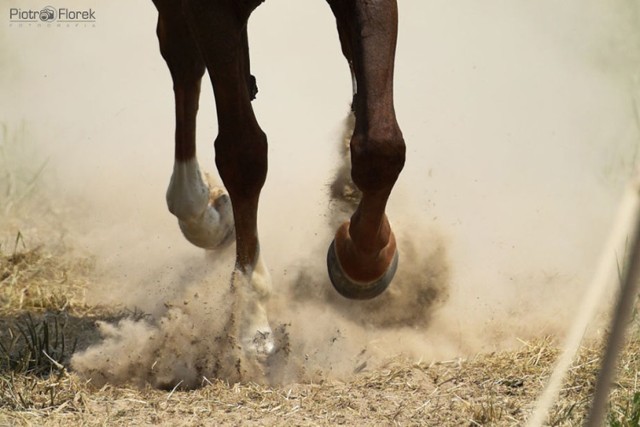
(377,158)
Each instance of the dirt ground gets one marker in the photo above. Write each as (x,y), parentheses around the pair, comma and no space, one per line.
(41,306)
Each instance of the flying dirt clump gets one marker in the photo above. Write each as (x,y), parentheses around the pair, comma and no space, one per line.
(194,338)
(182,349)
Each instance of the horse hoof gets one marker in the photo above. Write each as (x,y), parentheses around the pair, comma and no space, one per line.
(353,289)
(261,344)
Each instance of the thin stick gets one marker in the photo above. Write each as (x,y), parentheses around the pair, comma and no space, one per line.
(52,360)
(621,318)
(626,218)
(173,390)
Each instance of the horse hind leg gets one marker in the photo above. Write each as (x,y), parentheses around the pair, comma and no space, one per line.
(202,208)
(363,258)
(241,156)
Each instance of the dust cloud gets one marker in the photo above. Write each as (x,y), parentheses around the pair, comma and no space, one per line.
(521,126)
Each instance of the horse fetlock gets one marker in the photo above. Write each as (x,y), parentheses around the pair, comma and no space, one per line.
(187,194)
(203,209)
(212,230)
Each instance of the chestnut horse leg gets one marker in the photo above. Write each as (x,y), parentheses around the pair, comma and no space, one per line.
(363,258)
(219,28)
(203,211)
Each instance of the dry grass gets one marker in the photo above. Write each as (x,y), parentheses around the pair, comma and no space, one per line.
(36,280)
(488,389)
(494,389)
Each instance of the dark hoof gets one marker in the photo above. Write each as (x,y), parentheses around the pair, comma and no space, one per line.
(352,289)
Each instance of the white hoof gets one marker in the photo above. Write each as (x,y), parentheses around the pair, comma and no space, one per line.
(258,341)
(203,209)
(251,292)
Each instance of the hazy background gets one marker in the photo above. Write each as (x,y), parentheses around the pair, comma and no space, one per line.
(520,119)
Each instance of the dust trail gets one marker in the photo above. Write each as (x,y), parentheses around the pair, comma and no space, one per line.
(319,334)
(520,130)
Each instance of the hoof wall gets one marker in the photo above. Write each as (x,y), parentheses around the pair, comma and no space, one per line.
(352,289)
